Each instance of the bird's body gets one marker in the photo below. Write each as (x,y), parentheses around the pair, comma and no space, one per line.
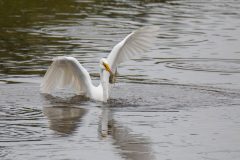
(68,72)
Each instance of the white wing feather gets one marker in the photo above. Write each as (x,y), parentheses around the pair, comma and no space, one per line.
(132,46)
(66,72)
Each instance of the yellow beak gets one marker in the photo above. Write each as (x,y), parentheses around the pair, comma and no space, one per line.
(107,67)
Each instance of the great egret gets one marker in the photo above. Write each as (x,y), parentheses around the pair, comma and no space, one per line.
(67,71)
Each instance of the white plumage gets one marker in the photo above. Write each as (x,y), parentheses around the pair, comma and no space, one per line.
(133,45)
(68,72)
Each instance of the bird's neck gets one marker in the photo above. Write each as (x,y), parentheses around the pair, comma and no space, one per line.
(104,83)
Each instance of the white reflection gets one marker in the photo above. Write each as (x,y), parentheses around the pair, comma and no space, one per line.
(63,119)
(132,146)
(63,114)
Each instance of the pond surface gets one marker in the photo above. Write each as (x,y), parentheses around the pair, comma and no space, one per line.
(181,100)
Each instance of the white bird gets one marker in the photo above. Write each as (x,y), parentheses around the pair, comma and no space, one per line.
(68,72)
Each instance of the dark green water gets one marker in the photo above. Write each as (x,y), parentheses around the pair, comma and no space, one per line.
(181,100)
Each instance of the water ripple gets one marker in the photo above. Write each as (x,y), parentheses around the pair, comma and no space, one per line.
(207,65)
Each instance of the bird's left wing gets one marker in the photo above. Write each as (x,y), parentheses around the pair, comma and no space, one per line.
(66,72)
(133,45)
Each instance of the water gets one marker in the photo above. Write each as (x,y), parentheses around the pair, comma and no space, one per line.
(179,101)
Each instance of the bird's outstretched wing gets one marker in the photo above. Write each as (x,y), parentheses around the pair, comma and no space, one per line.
(66,72)
(133,45)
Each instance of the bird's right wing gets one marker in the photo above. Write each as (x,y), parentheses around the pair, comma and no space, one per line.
(135,44)
(66,72)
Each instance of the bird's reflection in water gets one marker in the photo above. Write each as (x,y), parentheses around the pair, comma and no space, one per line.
(63,119)
(63,115)
(132,146)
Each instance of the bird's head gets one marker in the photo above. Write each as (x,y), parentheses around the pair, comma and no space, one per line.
(105,66)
